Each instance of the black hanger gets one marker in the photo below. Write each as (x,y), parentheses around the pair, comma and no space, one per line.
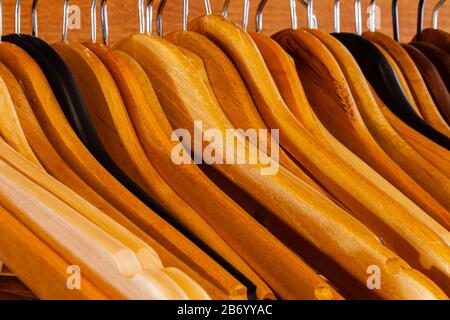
(383,79)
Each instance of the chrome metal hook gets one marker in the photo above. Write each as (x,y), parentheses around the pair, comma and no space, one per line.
(17,17)
(1,20)
(105,23)
(149,17)
(160,11)
(65,26)
(260,10)
(94,21)
(34,18)
(358,17)
(372,16)
(337,16)
(435,17)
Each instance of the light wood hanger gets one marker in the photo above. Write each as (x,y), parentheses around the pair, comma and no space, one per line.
(235,219)
(27,255)
(103,259)
(230,91)
(81,161)
(433,79)
(145,49)
(393,144)
(121,67)
(340,111)
(10,128)
(160,62)
(244,54)
(56,166)
(98,85)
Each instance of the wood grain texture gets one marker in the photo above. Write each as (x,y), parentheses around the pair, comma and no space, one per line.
(123,17)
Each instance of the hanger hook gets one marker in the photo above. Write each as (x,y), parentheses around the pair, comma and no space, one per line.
(34,18)
(17,17)
(160,11)
(337,16)
(94,21)
(435,18)
(65,26)
(395,23)
(260,10)
(105,23)
(149,17)
(245,15)
(358,17)
(1,20)
(372,16)
(312,22)
(420,13)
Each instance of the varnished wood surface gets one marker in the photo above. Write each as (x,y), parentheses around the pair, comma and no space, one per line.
(123,19)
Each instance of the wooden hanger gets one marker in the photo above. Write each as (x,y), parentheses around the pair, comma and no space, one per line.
(103,259)
(340,111)
(28,255)
(393,144)
(439,57)
(145,49)
(437,37)
(10,128)
(433,79)
(242,51)
(230,91)
(74,153)
(56,166)
(142,106)
(416,83)
(160,62)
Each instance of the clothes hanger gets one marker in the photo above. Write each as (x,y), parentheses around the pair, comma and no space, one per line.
(438,56)
(69,97)
(108,112)
(103,259)
(434,81)
(28,255)
(254,234)
(73,152)
(416,83)
(363,101)
(153,49)
(238,46)
(60,170)
(167,60)
(393,144)
(282,68)
(434,35)
(316,64)
(10,127)
(229,84)
(181,176)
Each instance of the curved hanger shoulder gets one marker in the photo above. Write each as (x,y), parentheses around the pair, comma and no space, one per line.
(10,127)
(70,148)
(438,37)
(141,103)
(231,93)
(177,86)
(433,79)
(238,46)
(27,255)
(322,77)
(422,96)
(439,57)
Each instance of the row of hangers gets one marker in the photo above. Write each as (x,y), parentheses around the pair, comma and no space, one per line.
(87,177)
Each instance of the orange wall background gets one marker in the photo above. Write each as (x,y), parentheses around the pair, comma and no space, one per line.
(124,21)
